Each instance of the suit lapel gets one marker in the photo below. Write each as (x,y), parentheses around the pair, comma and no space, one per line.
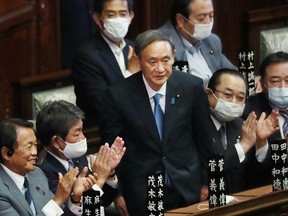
(107,56)
(141,101)
(173,91)
(233,130)
(14,190)
(208,51)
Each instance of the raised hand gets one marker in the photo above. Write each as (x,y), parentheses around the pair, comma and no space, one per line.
(118,150)
(64,187)
(266,127)
(101,164)
(248,134)
(82,184)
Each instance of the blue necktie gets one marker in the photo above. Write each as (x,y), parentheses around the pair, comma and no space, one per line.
(158,114)
(70,165)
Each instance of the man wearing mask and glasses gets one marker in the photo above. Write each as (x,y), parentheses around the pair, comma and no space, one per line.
(197,49)
(274,82)
(105,58)
(234,139)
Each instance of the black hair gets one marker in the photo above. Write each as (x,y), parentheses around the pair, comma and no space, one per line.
(215,80)
(56,118)
(8,133)
(272,58)
(98,5)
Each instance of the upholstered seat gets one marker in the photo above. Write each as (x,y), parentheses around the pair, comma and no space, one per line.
(272,41)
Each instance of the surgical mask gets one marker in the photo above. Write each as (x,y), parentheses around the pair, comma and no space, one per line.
(227,111)
(278,97)
(74,150)
(201,31)
(116,28)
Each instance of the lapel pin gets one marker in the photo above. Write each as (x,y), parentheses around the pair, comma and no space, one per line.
(172,100)
(211,52)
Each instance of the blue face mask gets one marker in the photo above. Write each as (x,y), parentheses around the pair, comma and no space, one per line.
(278,97)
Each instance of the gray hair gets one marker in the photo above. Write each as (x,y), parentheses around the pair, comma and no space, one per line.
(146,38)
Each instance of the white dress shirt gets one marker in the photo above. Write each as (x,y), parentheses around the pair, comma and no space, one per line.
(118,53)
(197,64)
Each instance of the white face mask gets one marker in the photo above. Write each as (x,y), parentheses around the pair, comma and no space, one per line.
(74,150)
(227,111)
(278,97)
(201,31)
(116,28)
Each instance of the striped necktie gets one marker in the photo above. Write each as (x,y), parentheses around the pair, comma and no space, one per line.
(284,114)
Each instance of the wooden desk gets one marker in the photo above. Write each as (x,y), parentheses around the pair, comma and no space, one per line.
(251,202)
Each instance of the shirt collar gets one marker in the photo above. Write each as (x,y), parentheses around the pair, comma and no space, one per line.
(151,92)
(216,122)
(18,179)
(115,49)
(62,161)
(189,47)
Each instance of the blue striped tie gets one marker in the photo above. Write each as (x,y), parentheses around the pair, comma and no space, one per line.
(158,114)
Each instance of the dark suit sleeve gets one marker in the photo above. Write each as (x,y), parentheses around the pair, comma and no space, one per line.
(110,118)
(89,81)
(202,125)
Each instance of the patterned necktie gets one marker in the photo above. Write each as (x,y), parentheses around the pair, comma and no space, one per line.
(284,114)
(222,133)
(158,114)
(27,191)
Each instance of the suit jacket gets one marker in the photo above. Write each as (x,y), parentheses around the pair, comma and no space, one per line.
(126,111)
(262,173)
(13,202)
(234,171)
(211,49)
(95,68)
(77,25)
(51,166)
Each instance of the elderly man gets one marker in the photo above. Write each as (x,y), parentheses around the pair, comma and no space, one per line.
(162,115)
(24,187)
(236,140)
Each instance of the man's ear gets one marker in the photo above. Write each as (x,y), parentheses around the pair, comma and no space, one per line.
(6,153)
(97,19)
(131,15)
(55,141)
(179,20)
(263,85)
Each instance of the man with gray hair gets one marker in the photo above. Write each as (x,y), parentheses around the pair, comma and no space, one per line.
(162,115)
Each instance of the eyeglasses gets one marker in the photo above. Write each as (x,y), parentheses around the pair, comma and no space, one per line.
(240,98)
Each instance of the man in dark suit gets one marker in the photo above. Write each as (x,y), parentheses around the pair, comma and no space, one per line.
(65,144)
(105,58)
(274,97)
(23,186)
(127,110)
(234,139)
(190,28)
